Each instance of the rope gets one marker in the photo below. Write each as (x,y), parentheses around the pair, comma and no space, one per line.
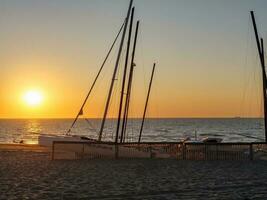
(91,125)
(102,66)
(247,136)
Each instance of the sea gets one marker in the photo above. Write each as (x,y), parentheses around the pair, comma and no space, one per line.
(155,130)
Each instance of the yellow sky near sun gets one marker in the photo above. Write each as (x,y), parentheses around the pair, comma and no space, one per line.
(61,99)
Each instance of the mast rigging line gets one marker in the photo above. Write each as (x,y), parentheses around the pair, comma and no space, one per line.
(96,78)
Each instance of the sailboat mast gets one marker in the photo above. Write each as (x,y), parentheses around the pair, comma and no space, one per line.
(265,98)
(129,83)
(147,98)
(94,82)
(115,72)
(124,75)
(261,56)
(127,105)
(262,52)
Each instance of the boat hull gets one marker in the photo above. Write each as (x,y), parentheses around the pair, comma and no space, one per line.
(47,140)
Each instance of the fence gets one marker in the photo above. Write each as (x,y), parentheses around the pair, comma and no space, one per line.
(170,150)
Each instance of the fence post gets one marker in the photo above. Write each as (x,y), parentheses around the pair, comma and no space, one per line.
(83,151)
(184,151)
(53,149)
(116,151)
(217,156)
(251,151)
(206,152)
(150,150)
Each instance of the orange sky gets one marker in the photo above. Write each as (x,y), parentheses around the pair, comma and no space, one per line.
(207,64)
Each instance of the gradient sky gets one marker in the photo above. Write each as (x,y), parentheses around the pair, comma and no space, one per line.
(207,64)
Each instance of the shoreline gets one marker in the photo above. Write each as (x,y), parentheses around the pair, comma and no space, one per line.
(24,147)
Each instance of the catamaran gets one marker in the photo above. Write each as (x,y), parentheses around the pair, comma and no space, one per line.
(47,140)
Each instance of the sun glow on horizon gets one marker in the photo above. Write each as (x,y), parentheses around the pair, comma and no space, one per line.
(33,98)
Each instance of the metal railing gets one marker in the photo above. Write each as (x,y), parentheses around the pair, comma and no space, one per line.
(167,150)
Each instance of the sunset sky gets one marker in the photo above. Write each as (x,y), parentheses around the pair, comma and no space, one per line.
(207,62)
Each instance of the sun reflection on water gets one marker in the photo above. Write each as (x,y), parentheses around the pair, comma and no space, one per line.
(32,129)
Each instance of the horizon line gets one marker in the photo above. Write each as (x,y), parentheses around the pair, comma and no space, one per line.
(96,118)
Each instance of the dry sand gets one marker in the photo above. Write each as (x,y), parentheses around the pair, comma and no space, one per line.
(26,172)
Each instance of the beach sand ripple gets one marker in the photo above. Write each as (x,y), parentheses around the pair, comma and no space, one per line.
(32,175)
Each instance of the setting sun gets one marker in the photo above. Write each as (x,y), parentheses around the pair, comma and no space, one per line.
(33,98)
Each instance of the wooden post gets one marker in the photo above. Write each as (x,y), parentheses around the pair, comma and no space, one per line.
(206,152)
(83,151)
(251,151)
(53,150)
(116,151)
(217,153)
(184,151)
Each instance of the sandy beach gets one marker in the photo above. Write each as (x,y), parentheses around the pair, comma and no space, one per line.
(27,172)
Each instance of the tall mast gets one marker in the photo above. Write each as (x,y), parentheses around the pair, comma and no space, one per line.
(94,82)
(261,56)
(147,98)
(115,72)
(124,75)
(264,94)
(129,82)
(127,104)
(262,52)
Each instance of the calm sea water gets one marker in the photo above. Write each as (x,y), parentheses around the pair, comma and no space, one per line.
(231,130)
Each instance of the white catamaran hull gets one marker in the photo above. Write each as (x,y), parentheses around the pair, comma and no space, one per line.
(47,140)
(93,149)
